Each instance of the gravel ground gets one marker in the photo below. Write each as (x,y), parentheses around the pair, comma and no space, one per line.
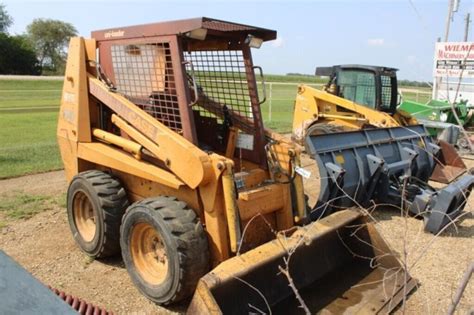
(44,246)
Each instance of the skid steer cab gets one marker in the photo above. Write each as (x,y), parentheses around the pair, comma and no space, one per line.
(169,164)
(371,86)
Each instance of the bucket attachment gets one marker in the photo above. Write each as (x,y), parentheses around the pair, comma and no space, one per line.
(449,164)
(442,206)
(339,265)
(385,165)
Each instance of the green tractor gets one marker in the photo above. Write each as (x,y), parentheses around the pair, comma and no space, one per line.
(440,120)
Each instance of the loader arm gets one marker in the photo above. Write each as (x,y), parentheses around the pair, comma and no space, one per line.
(316,106)
(173,149)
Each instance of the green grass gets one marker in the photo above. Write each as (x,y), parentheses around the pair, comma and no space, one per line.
(23,206)
(31,85)
(294,78)
(29,93)
(14,99)
(27,138)
(419,98)
(19,205)
(28,143)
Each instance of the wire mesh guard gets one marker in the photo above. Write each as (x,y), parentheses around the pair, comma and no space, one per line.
(221,80)
(144,74)
(386,91)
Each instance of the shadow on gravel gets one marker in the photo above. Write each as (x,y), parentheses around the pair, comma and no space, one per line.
(117,262)
(387,213)
(114,261)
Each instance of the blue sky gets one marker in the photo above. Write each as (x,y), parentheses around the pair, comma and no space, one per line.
(397,33)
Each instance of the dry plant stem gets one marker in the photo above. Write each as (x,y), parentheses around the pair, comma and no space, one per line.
(405,253)
(461,288)
(291,284)
(256,309)
(259,293)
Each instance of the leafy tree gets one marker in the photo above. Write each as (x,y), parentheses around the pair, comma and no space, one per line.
(50,39)
(5,19)
(17,56)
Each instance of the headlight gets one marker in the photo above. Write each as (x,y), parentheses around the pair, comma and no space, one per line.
(443,117)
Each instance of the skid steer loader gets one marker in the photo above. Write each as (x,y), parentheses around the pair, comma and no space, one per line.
(389,160)
(168,162)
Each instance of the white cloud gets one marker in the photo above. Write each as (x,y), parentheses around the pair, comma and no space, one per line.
(278,42)
(375,41)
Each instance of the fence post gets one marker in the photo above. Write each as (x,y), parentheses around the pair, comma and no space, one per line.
(270,102)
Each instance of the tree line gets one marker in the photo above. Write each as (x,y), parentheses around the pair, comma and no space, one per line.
(41,50)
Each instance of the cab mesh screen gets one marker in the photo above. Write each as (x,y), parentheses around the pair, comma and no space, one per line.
(221,83)
(144,74)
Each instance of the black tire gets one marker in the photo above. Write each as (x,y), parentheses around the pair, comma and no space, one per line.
(320,129)
(105,200)
(179,250)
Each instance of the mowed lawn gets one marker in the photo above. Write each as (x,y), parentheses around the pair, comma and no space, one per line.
(28,116)
(29,111)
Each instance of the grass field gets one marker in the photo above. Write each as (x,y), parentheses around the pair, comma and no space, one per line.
(28,115)
(29,109)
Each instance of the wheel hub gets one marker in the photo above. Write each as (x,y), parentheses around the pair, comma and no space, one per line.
(84,216)
(149,253)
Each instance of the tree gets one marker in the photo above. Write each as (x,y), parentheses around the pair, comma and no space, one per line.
(50,39)
(18,56)
(5,19)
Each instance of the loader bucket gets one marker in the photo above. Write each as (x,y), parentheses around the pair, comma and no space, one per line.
(339,264)
(353,164)
(449,164)
(386,165)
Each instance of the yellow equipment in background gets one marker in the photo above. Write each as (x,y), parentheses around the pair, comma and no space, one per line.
(168,162)
(368,151)
(315,109)
(355,97)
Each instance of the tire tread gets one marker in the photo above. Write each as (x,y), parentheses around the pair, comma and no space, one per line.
(113,203)
(192,244)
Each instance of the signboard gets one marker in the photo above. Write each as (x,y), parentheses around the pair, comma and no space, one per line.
(454,59)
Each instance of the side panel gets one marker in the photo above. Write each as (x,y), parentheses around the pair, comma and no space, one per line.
(74,121)
(139,188)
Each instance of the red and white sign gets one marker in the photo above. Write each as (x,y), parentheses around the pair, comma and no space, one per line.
(454,59)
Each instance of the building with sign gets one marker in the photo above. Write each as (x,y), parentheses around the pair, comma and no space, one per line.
(454,71)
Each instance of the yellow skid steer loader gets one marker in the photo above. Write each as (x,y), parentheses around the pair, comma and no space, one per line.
(168,162)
